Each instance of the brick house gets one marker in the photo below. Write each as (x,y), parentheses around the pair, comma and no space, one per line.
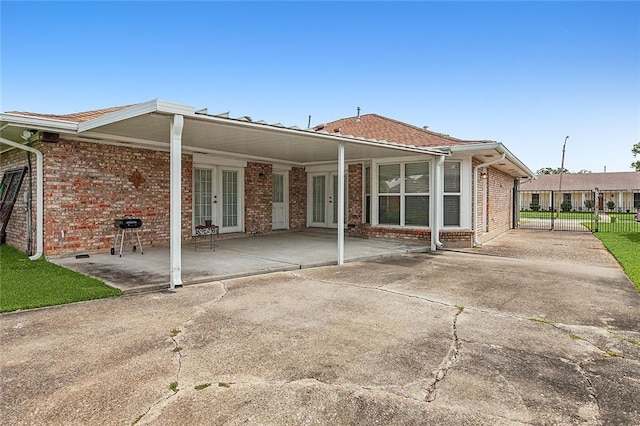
(175,168)
(470,164)
(616,191)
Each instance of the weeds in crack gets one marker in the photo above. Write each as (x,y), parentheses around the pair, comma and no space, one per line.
(575,336)
(624,339)
(174,332)
(138,419)
(539,321)
(202,386)
(173,386)
(177,349)
(225,384)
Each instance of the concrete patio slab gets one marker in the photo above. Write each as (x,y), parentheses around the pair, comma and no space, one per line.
(232,258)
(414,339)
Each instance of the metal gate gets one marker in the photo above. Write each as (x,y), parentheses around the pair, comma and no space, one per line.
(553,210)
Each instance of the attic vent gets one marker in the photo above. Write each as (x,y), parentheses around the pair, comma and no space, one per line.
(336,130)
(49,137)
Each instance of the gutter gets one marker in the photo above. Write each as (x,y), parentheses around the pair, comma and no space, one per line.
(39,193)
(477,243)
(498,146)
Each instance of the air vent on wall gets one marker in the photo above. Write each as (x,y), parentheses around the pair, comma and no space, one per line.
(49,137)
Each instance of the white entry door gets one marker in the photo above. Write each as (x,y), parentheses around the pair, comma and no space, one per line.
(217,196)
(280,201)
(323,211)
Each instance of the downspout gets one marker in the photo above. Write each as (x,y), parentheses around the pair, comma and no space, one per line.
(29,206)
(439,182)
(39,193)
(477,243)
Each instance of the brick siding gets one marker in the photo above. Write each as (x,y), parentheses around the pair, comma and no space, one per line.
(258,184)
(86,187)
(499,200)
(297,198)
(17,226)
(354,217)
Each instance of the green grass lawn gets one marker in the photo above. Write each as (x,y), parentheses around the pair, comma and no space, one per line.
(28,284)
(625,247)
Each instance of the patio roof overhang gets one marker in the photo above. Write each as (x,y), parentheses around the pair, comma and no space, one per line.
(181,129)
(148,125)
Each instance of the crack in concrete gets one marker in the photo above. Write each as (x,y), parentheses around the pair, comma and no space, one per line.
(177,349)
(448,362)
(591,389)
(454,349)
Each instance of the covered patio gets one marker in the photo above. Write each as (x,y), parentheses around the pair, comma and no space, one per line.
(232,258)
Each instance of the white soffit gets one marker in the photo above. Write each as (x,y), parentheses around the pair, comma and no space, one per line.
(241,137)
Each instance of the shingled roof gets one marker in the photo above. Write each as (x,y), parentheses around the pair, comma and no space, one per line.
(77,117)
(374,126)
(616,181)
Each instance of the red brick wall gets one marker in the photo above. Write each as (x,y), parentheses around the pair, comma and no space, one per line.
(499,200)
(355,194)
(297,198)
(17,226)
(258,198)
(86,187)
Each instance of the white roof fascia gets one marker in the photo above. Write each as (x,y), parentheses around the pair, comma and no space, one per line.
(314,134)
(148,107)
(45,124)
(499,146)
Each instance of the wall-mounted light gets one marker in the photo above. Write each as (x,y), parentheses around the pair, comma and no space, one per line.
(483,174)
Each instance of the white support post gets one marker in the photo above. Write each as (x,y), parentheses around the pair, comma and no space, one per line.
(175,195)
(340,204)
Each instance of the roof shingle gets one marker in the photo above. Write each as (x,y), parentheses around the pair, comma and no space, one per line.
(613,181)
(77,117)
(374,126)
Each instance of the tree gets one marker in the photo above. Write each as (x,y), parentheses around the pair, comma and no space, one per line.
(551,171)
(584,171)
(636,151)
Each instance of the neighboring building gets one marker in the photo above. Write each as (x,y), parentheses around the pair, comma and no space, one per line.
(175,168)
(620,190)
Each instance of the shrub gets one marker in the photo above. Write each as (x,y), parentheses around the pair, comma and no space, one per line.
(535,206)
(588,204)
(611,205)
(566,206)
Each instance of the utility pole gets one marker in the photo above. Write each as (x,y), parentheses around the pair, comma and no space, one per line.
(561,173)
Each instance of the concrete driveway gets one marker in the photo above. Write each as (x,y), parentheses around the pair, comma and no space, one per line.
(502,335)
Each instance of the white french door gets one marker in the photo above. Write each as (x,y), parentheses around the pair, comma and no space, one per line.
(217,196)
(280,201)
(323,201)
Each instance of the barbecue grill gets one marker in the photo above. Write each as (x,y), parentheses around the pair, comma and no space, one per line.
(124,225)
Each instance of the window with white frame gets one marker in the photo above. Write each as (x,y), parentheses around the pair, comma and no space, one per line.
(451,194)
(403,194)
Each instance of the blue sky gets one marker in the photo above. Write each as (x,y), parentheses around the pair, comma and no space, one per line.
(523,73)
